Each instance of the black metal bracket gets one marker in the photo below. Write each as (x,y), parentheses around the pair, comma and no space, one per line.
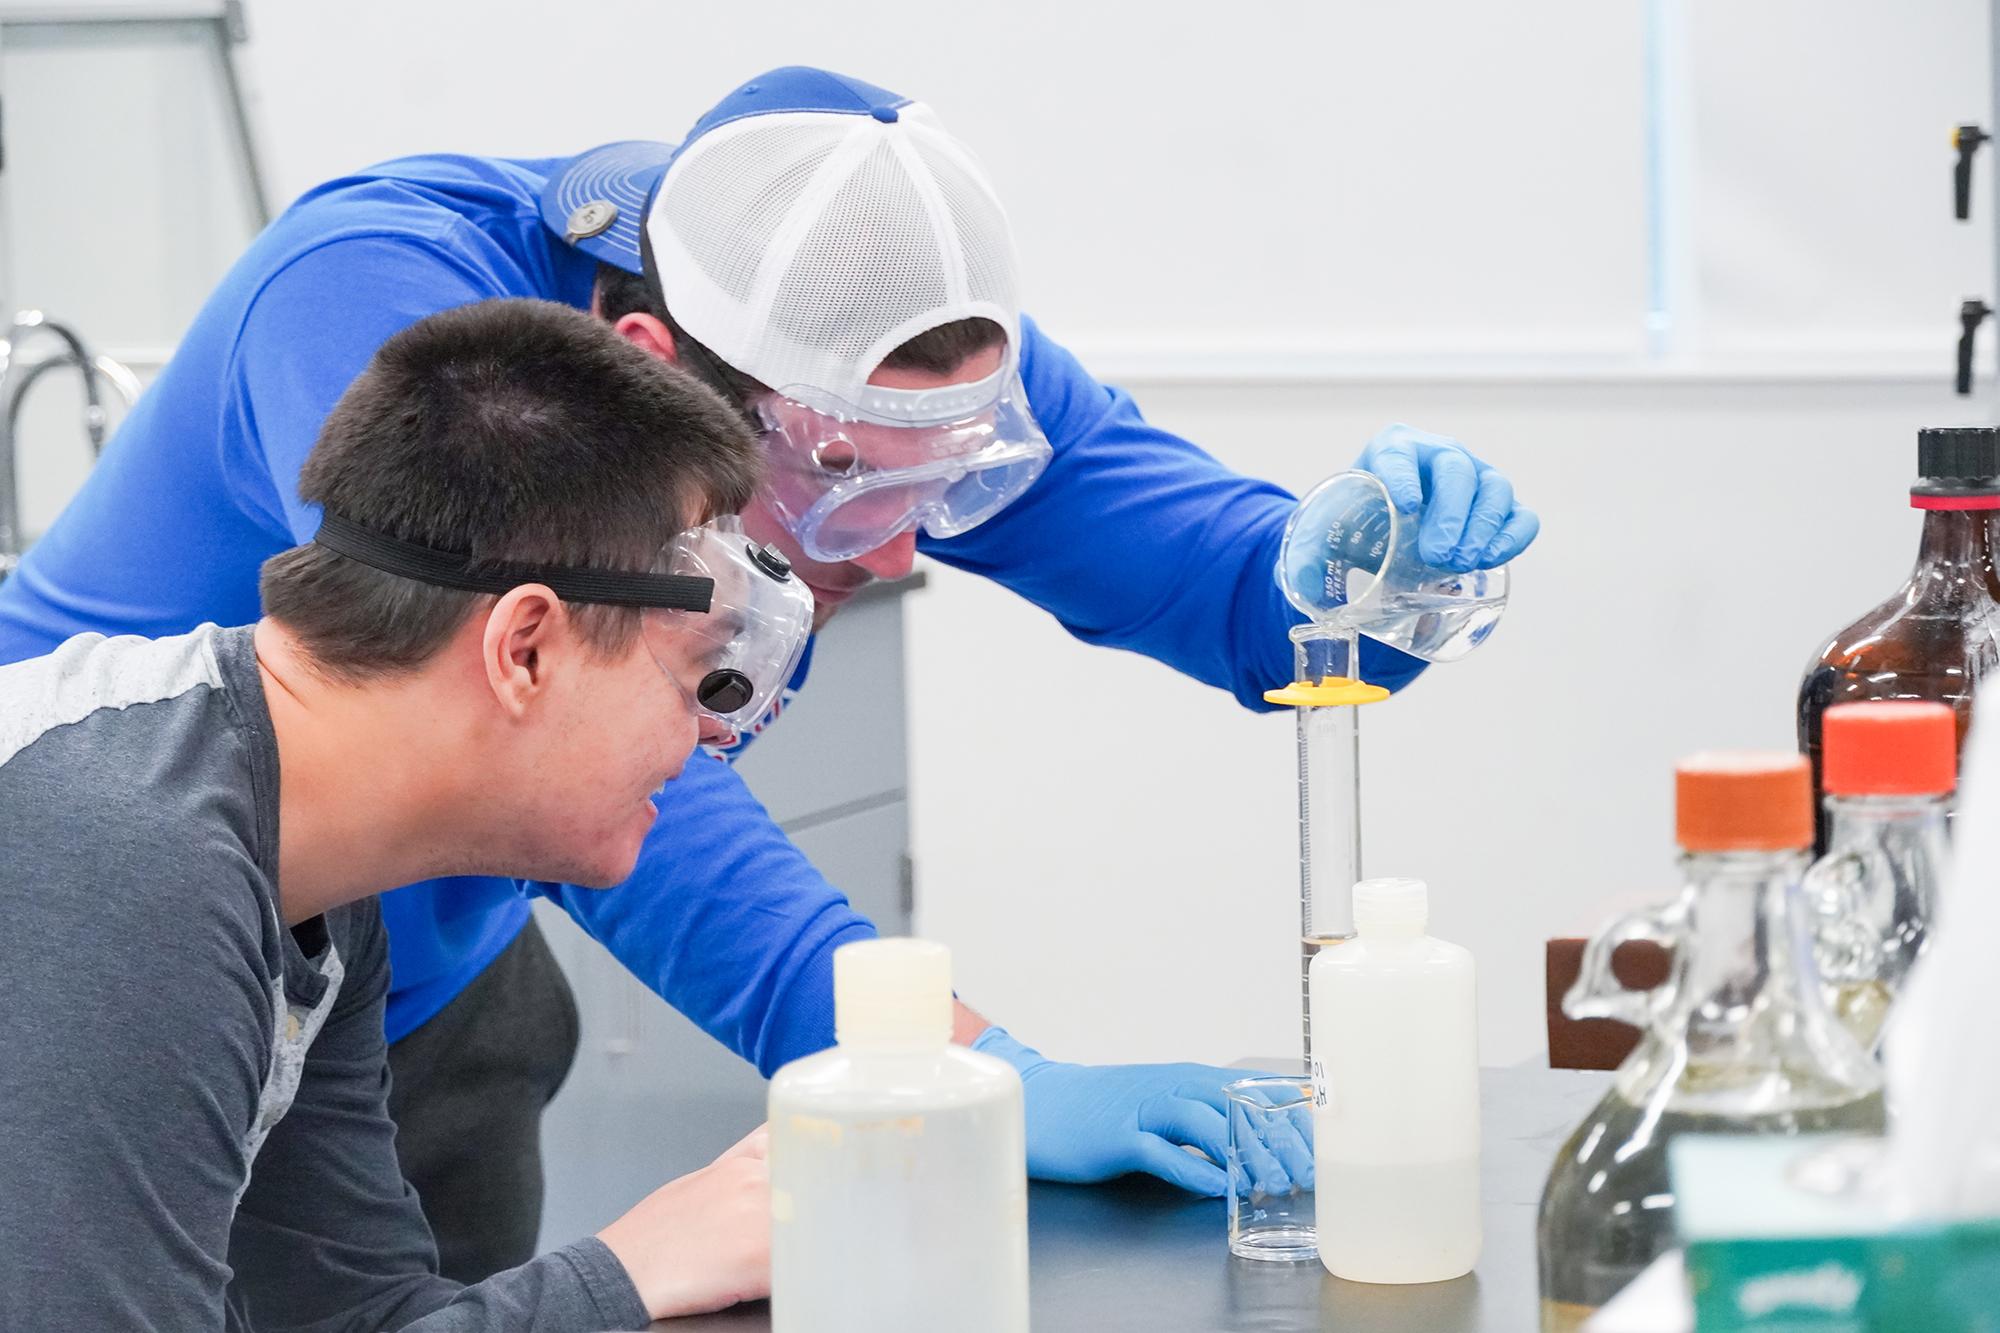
(1966,139)
(1971,314)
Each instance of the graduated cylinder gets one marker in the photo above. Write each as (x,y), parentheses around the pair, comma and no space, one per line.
(1328,700)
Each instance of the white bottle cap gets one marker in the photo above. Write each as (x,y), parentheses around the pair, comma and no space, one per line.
(892,992)
(1387,902)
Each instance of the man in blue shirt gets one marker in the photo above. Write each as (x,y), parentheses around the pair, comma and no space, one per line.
(823,253)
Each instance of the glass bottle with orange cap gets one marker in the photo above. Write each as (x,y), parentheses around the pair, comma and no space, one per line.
(1889,768)
(1738,1041)
(1938,635)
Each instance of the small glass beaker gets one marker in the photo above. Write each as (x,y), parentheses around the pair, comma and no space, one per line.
(1270,1168)
(1349,559)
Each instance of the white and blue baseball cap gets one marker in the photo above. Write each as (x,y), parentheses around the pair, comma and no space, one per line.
(808,225)
(597,201)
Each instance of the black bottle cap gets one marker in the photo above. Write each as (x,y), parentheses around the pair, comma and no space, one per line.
(1958,460)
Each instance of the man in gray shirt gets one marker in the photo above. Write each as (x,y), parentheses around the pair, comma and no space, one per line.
(516,623)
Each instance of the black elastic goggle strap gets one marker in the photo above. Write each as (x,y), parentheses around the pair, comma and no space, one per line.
(453,569)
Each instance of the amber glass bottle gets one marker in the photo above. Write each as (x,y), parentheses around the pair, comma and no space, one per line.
(1938,636)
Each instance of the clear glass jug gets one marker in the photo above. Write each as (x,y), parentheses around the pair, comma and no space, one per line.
(1738,1041)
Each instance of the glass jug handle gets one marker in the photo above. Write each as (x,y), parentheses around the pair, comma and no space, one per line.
(1598,993)
(1847,945)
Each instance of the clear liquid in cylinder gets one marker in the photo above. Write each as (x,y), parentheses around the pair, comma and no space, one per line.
(1310,947)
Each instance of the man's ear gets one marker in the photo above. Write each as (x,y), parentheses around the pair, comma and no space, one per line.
(648,332)
(521,630)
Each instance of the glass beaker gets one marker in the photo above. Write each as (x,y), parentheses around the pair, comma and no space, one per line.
(1270,1168)
(1738,1041)
(1349,559)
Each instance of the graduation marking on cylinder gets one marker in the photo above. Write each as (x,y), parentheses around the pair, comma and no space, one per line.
(1327,696)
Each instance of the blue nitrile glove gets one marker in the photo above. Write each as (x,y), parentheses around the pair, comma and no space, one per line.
(1094,1122)
(1470,520)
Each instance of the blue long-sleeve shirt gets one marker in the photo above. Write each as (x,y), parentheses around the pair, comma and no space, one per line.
(1133,538)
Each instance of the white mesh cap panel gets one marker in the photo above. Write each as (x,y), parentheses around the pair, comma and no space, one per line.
(735,194)
(804,247)
(876,212)
(984,241)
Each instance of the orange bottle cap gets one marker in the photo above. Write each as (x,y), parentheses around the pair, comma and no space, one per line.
(1889,747)
(1743,801)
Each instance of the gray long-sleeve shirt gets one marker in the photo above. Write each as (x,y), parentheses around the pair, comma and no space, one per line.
(193,1123)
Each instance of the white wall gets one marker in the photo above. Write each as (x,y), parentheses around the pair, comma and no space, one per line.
(1814,222)
(1283,225)
(1295,168)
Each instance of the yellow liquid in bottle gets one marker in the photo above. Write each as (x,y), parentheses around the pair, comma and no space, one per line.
(1608,1209)
(1564,1316)
(1862,1007)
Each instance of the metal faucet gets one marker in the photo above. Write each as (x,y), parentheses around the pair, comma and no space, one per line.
(15,381)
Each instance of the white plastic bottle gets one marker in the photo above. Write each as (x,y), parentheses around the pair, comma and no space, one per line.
(899,1177)
(1396,1095)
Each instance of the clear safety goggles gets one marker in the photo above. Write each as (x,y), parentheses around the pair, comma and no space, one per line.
(847,478)
(733,659)
(725,618)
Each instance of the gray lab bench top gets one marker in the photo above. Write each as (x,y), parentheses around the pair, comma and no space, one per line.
(1139,1255)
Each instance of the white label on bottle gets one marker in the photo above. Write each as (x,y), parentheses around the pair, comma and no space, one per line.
(1319,1086)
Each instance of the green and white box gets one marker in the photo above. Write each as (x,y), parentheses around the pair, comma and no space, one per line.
(1787,1235)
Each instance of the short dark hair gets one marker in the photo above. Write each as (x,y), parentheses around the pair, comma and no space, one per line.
(512,430)
(939,351)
